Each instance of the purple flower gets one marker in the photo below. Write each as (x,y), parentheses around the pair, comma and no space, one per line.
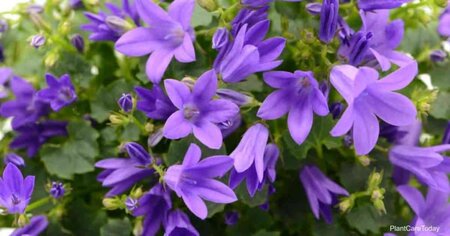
(169,35)
(446,138)
(250,151)
(252,4)
(433,211)
(248,53)
(14,159)
(59,93)
(369,98)
(376,40)
(109,27)
(231,217)
(154,103)
(336,109)
(3,25)
(444,23)
(75,4)
(220,38)
(430,167)
(37,41)
(329,15)
(121,174)
(193,180)
(32,136)
(15,191)
(314,8)
(270,158)
(321,192)
(25,109)
(370,5)
(57,190)
(197,112)
(36,226)
(78,42)
(125,102)
(438,56)
(249,17)
(131,204)
(5,75)
(154,206)
(2,55)
(178,224)
(234,96)
(299,95)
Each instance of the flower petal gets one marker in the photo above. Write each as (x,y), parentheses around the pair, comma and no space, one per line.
(177,91)
(205,87)
(413,197)
(177,126)
(300,121)
(137,42)
(192,156)
(393,108)
(209,134)
(275,105)
(185,52)
(157,64)
(195,204)
(342,78)
(214,191)
(399,78)
(365,130)
(181,11)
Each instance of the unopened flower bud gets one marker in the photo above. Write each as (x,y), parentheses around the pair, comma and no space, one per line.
(336,109)
(111,203)
(126,102)
(75,4)
(35,9)
(364,160)
(137,153)
(375,179)
(22,220)
(314,8)
(155,138)
(234,96)
(14,159)
(379,205)
(117,24)
(231,217)
(136,193)
(149,127)
(220,38)
(57,190)
(78,42)
(346,204)
(438,56)
(3,26)
(208,5)
(37,40)
(188,81)
(117,119)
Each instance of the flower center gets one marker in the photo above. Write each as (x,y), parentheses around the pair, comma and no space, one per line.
(65,94)
(190,111)
(15,200)
(176,36)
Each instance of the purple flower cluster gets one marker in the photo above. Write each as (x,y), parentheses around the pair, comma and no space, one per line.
(30,107)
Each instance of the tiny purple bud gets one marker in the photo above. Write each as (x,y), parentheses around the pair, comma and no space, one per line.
(74,4)
(325,88)
(14,159)
(3,26)
(329,15)
(126,102)
(220,38)
(57,190)
(155,138)
(314,8)
(116,23)
(234,96)
(37,41)
(231,217)
(336,109)
(131,204)
(35,9)
(438,56)
(137,153)
(348,140)
(2,56)
(265,206)
(78,42)
(446,139)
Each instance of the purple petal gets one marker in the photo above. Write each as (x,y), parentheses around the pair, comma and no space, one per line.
(319,103)
(138,42)
(236,178)
(342,78)
(208,133)
(193,155)
(276,105)
(205,87)
(177,91)
(300,121)
(185,52)
(344,124)
(279,79)
(181,11)
(393,108)
(215,166)
(151,13)
(177,126)
(399,78)
(413,197)
(13,178)
(195,204)
(221,110)
(214,191)
(365,130)
(157,64)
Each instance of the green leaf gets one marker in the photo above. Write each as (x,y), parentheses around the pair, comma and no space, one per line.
(116,227)
(440,76)
(214,208)
(178,148)
(201,17)
(263,232)
(441,106)
(131,132)
(259,198)
(366,219)
(76,155)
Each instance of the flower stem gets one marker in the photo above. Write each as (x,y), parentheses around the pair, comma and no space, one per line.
(38,203)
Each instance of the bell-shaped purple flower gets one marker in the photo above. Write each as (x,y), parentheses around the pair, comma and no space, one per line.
(321,192)
(197,112)
(271,154)
(376,41)
(154,205)
(14,159)
(78,42)
(178,224)
(32,136)
(75,4)
(220,38)
(432,212)
(370,5)
(121,174)
(250,151)
(59,93)
(57,190)
(169,35)
(154,103)
(194,181)
(15,191)
(26,108)
(368,98)
(249,53)
(329,15)
(126,102)
(426,163)
(299,95)
(36,226)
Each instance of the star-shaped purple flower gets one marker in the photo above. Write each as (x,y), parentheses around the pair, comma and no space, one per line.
(154,103)
(321,191)
(197,112)
(368,98)
(15,191)
(178,223)
(194,181)
(59,93)
(299,95)
(169,35)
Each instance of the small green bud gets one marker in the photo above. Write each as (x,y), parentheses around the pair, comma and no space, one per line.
(441,3)
(22,220)
(137,229)
(364,160)
(346,204)
(51,59)
(189,81)
(136,193)
(375,179)
(149,127)
(112,203)
(118,119)
(379,205)
(208,5)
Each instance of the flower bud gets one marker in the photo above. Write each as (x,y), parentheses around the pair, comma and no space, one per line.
(57,190)
(117,119)
(188,81)
(438,56)
(35,9)
(379,205)
(3,26)
(441,3)
(78,42)
(149,127)
(117,24)
(155,138)
(336,109)
(231,217)
(126,102)
(137,153)
(364,160)
(325,88)
(234,96)
(22,220)
(346,204)
(375,179)
(75,4)
(111,203)
(14,159)
(136,193)
(446,138)
(314,8)
(208,5)
(2,56)
(220,38)
(37,40)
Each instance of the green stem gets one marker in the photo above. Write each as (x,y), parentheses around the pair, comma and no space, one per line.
(38,203)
